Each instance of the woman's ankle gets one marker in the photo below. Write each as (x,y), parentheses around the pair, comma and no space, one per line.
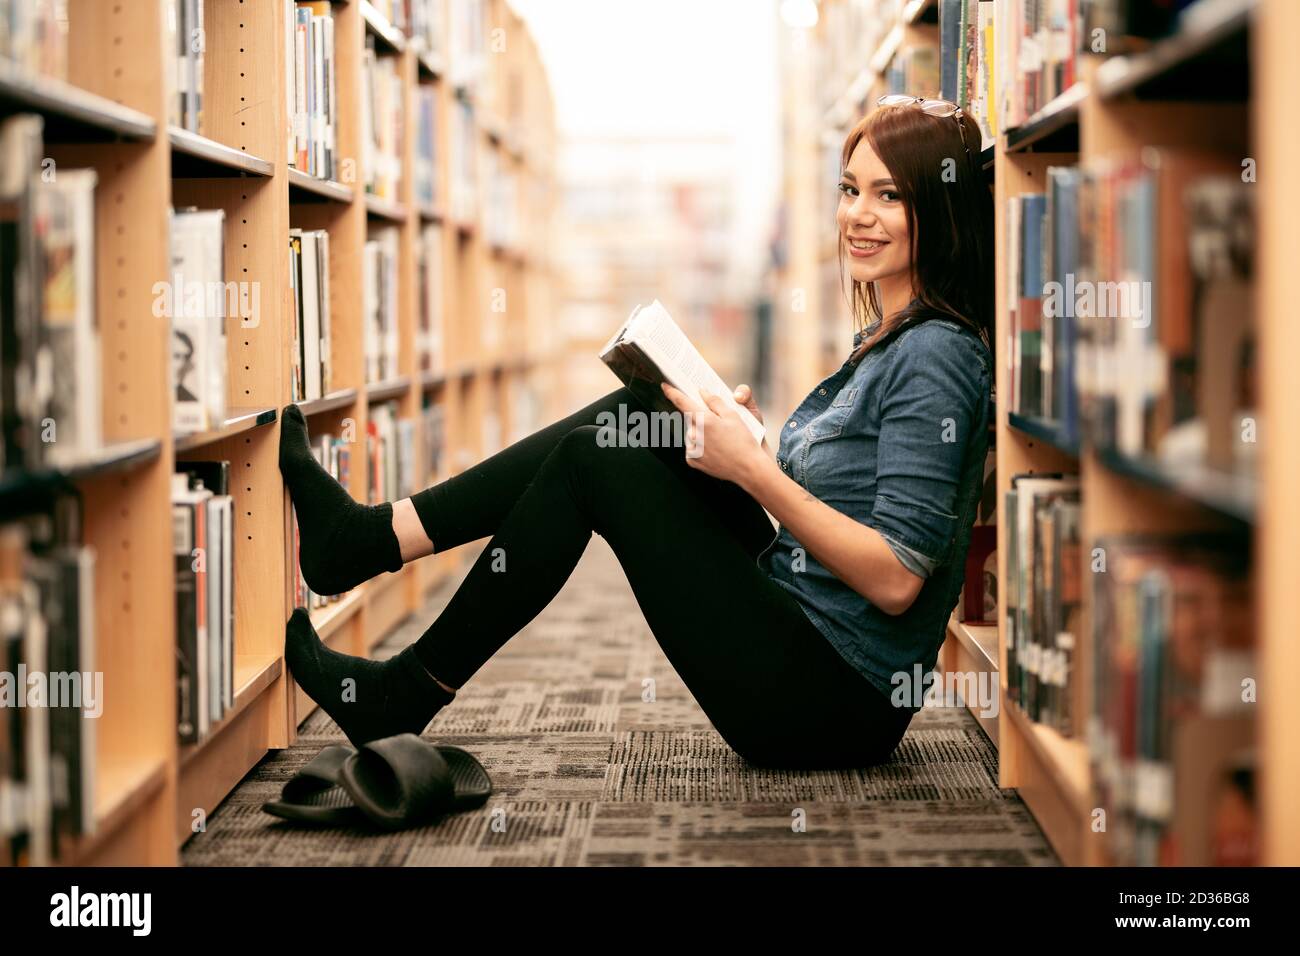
(409,531)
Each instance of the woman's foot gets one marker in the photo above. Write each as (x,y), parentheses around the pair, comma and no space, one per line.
(342,543)
(367,699)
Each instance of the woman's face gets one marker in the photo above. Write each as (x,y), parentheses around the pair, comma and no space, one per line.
(872,220)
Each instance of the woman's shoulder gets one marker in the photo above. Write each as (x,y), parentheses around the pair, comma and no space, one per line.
(939,331)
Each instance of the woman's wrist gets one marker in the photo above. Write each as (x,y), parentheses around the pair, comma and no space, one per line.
(756,473)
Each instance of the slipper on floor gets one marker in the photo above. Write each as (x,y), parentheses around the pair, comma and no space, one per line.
(404,780)
(313,794)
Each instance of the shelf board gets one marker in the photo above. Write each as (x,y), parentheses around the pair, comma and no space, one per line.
(195,156)
(310,188)
(921,11)
(1062,765)
(491,126)
(121,789)
(980,640)
(385,208)
(389,388)
(326,620)
(512,144)
(254,673)
(71,113)
(1067,758)
(23,491)
(1207,59)
(431,380)
(239,420)
(430,213)
(1232,496)
(381,29)
(431,64)
(1044,431)
(341,398)
(1054,128)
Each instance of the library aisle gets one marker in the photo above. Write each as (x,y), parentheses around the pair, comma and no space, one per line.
(403,216)
(590,775)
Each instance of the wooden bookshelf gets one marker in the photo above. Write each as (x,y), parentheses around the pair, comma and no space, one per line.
(1219,83)
(111,114)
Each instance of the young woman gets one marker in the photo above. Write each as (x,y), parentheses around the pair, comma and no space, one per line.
(803,645)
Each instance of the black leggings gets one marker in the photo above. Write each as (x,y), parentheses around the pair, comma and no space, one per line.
(772,685)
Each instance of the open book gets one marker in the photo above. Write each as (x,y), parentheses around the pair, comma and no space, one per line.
(650,349)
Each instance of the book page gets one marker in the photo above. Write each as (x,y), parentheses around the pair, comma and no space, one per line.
(679,360)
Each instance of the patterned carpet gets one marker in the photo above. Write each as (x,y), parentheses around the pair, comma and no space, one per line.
(586,773)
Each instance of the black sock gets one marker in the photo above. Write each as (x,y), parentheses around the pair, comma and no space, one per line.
(342,543)
(367,699)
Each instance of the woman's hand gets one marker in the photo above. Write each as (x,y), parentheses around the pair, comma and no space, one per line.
(744,395)
(717,441)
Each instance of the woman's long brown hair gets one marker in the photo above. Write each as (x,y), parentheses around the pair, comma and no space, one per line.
(949,217)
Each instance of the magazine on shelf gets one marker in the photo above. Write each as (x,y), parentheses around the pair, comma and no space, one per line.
(650,349)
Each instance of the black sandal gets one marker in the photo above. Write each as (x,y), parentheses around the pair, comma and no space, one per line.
(313,794)
(404,780)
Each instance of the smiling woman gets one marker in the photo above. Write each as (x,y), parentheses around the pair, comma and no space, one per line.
(800,645)
(909,174)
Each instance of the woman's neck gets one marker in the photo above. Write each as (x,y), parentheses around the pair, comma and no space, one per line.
(895,294)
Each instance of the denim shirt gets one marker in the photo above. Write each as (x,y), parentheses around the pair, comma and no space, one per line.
(897,443)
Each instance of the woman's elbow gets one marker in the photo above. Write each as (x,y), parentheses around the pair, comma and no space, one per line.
(901,592)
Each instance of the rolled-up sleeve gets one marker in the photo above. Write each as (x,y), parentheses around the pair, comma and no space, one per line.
(932,397)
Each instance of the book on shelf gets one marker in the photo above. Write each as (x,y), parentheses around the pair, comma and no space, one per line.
(650,349)
(463,163)
(977,602)
(214,476)
(1036,56)
(198,319)
(425,172)
(311,360)
(1216,395)
(500,203)
(185,38)
(311,90)
(966,62)
(393,12)
(25,795)
(203,546)
(525,409)
(48,727)
(1171,731)
(34,36)
(433,422)
(429,333)
(490,427)
(915,71)
(466,44)
(390,447)
(70,388)
(427,25)
(1140,349)
(50,352)
(379,302)
(1042,600)
(381,123)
